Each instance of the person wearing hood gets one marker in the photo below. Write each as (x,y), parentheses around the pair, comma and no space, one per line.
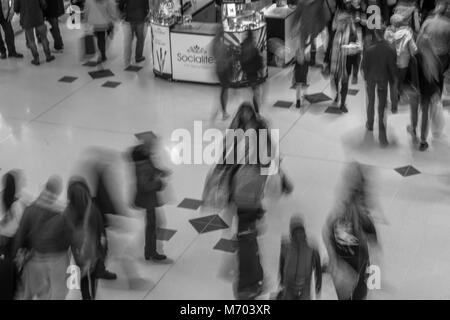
(148,183)
(299,261)
(44,231)
(86,226)
(400,35)
(347,235)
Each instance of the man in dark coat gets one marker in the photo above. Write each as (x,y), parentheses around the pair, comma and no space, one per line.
(148,183)
(135,13)
(54,10)
(31,19)
(6,14)
(379,67)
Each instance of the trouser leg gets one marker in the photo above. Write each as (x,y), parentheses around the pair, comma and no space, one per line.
(223,99)
(56,33)
(382,101)
(150,233)
(128,37)
(425,109)
(42,32)
(140,40)
(101,42)
(31,42)
(370,88)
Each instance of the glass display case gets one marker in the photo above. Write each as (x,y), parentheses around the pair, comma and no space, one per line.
(238,17)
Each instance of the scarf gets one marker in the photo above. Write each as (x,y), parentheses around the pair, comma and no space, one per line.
(339,54)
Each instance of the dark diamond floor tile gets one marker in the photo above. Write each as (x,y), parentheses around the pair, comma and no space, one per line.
(211,227)
(111,84)
(283,104)
(165,234)
(353,92)
(226,245)
(202,221)
(133,68)
(333,110)
(191,204)
(90,64)
(68,79)
(407,171)
(148,135)
(101,74)
(217,221)
(412,172)
(199,227)
(317,97)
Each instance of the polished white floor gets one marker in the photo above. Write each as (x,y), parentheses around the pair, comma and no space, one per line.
(46,127)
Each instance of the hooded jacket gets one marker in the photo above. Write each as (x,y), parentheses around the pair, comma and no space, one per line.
(148,182)
(403,41)
(297,263)
(43,227)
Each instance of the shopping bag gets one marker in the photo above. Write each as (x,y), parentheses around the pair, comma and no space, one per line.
(88,45)
(437,116)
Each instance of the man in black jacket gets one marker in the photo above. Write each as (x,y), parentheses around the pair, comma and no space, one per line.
(135,13)
(379,67)
(148,183)
(31,19)
(54,10)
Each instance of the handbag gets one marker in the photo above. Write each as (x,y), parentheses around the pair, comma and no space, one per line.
(88,45)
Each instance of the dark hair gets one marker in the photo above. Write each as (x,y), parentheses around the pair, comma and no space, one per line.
(79,198)
(9,194)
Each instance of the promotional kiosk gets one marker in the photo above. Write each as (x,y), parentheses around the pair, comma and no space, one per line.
(182,45)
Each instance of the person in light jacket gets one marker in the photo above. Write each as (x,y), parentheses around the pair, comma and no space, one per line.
(101,15)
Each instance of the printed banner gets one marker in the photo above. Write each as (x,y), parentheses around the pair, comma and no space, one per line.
(192,58)
(161,50)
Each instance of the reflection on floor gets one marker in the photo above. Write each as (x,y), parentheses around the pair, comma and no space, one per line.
(52,113)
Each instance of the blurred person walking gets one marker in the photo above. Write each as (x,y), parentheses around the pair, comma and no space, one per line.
(300,76)
(347,235)
(379,68)
(401,37)
(437,29)
(299,262)
(430,75)
(53,11)
(224,68)
(31,19)
(252,65)
(148,183)
(134,13)
(101,15)
(347,44)
(6,15)
(45,233)
(12,210)
(87,229)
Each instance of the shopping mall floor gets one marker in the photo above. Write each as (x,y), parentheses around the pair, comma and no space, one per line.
(46,126)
